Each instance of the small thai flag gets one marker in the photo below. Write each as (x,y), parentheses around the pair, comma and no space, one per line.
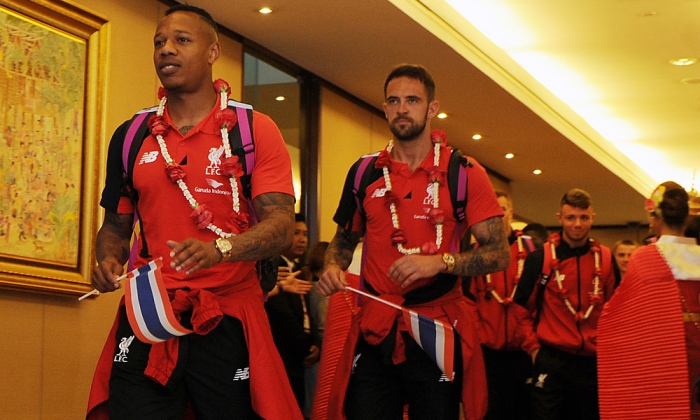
(435,337)
(148,305)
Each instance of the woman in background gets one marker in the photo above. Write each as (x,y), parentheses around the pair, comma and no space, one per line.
(649,332)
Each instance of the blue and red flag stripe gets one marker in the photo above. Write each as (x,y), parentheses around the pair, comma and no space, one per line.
(148,305)
(435,337)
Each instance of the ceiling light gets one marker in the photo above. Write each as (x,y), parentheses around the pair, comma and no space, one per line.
(280,98)
(537,171)
(685,61)
(265,10)
(442,115)
(509,156)
(691,81)
(476,136)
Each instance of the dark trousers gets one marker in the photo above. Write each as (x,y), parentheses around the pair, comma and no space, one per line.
(379,389)
(212,375)
(565,386)
(509,377)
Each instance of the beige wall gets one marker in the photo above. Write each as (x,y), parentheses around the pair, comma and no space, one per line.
(347,132)
(50,344)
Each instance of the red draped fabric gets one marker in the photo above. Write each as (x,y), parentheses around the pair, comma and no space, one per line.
(642,358)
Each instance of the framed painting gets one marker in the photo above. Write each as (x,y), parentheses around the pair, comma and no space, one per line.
(52,56)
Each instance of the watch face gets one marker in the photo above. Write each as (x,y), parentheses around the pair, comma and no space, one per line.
(223,245)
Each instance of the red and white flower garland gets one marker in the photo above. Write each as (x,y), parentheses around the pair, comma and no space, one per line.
(490,287)
(596,297)
(230,166)
(435,215)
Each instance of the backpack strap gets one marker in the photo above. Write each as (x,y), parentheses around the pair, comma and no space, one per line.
(541,285)
(135,135)
(138,129)
(243,146)
(528,243)
(245,128)
(363,179)
(457,183)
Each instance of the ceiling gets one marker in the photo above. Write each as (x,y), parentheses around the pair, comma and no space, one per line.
(633,125)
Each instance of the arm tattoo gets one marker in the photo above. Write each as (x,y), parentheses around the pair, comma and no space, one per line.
(492,254)
(185,129)
(341,248)
(113,237)
(272,235)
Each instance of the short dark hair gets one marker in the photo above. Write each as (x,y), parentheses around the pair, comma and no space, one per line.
(298,217)
(203,14)
(413,71)
(674,206)
(577,198)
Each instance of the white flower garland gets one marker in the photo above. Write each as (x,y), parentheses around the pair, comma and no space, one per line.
(521,264)
(596,281)
(223,103)
(392,207)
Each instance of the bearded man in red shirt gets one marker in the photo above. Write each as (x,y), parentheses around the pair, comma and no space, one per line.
(412,258)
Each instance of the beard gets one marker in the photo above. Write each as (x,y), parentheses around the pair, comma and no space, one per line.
(409,133)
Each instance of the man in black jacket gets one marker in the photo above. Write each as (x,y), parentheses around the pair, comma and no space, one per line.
(288,311)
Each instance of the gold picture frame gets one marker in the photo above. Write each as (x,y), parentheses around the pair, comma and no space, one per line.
(52,91)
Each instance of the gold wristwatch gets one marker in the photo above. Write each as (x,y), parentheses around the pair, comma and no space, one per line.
(449,261)
(224,247)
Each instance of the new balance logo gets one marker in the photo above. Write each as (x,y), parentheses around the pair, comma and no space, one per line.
(443,377)
(148,157)
(123,349)
(379,192)
(242,374)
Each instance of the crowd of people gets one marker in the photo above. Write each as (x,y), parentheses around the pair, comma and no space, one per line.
(426,304)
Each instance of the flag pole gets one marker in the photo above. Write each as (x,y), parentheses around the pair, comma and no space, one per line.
(95,291)
(393,305)
(120,278)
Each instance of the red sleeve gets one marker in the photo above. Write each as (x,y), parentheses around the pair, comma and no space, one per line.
(525,330)
(125,206)
(273,166)
(481,199)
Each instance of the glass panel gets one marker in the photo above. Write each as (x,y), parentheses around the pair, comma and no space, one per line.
(276,93)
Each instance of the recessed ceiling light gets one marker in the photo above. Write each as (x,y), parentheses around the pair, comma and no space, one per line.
(685,61)
(442,115)
(537,172)
(476,136)
(691,81)
(280,98)
(265,10)
(509,156)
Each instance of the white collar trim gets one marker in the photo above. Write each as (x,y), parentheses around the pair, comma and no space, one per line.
(682,255)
